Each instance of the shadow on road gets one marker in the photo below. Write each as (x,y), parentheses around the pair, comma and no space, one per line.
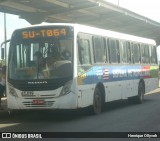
(65,115)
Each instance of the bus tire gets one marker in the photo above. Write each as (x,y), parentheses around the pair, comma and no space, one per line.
(97,102)
(141,92)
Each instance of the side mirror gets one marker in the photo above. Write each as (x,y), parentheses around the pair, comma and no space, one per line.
(2,53)
(4,49)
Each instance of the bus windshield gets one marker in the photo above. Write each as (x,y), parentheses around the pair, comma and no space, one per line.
(38,54)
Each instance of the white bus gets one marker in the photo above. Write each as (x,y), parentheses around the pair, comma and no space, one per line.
(70,66)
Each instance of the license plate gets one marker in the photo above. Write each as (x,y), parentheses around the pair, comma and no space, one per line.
(38,102)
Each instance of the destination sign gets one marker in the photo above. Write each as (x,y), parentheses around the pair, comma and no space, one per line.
(56,32)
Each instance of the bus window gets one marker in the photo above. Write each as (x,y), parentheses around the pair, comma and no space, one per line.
(84,51)
(129,52)
(114,55)
(142,53)
(99,51)
(106,49)
(66,49)
(23,55)
(124,50)
(153,55)
(136,53)
(146,52)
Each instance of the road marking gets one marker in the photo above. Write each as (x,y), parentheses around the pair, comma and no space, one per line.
(7,124)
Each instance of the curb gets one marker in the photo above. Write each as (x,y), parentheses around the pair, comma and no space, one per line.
(154,91)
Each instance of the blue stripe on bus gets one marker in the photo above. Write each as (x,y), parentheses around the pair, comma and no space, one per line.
(117,73)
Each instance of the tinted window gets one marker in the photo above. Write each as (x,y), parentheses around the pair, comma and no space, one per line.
(144,53)
(136,53)
(124,51)
(84,51)
(99,51)
(153,55)
(114,55)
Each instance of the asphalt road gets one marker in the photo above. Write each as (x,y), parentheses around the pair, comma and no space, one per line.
(119,116)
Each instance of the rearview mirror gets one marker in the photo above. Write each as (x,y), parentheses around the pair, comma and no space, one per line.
(2,53)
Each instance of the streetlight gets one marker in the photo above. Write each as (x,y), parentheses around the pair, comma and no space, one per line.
(5,37)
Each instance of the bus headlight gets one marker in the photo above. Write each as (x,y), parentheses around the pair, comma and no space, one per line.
(12,91)
(66,88)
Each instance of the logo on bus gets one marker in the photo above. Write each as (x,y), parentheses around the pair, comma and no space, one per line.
(27,93)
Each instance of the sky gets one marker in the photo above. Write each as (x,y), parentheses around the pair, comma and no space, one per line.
(12,22)
(147,8)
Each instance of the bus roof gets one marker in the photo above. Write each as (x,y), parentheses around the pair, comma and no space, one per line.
(99,31)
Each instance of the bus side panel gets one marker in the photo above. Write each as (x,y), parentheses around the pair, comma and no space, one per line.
(85,93)
(152,82)
(114,90)
(127,89)
(120,82)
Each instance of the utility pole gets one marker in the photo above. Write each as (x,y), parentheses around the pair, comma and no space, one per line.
(5,38)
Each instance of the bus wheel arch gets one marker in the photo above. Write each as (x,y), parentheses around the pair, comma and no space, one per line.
(98,99)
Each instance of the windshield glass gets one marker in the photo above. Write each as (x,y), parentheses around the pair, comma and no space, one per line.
(41,56)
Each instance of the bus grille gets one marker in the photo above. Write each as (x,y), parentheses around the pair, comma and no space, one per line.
(43,101)
(45,104)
